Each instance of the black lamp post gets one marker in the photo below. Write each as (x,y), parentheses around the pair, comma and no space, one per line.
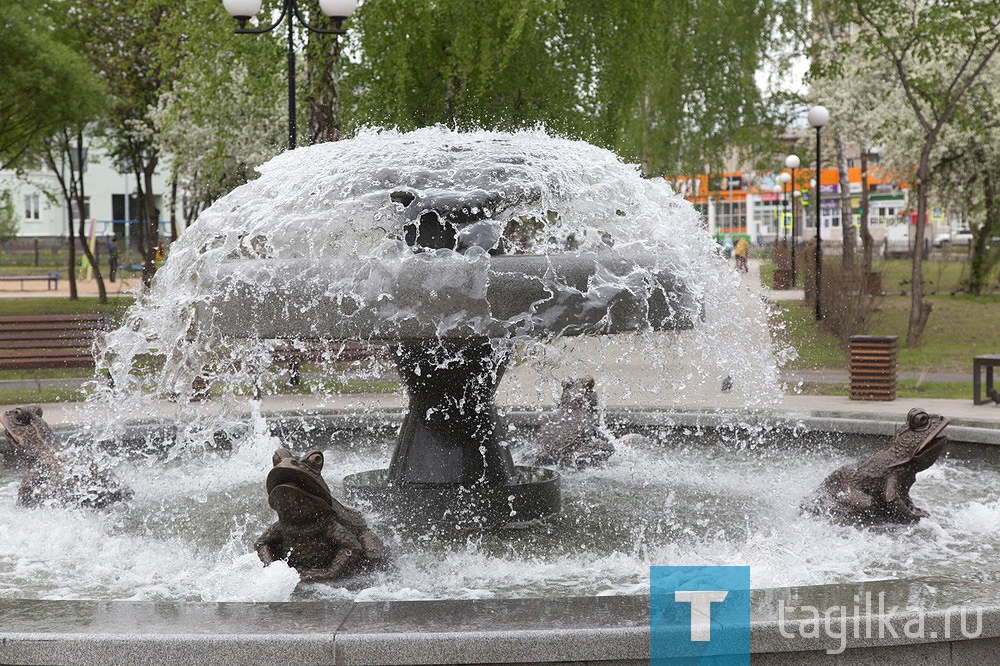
(243,10)
(818,117)
(792,162)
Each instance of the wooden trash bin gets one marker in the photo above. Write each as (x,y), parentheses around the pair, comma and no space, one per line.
(873,367)
(782,279)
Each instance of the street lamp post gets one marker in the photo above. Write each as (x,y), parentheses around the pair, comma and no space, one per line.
(792,162)
(783,179)
(818,117)
(243,10)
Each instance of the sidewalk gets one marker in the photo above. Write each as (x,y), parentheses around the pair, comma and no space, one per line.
(122,286)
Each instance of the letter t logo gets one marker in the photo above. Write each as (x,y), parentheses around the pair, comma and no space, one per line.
(701,610)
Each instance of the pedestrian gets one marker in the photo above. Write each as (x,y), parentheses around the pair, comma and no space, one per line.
(741,250)
(113,258)
(160,256)
(727,248)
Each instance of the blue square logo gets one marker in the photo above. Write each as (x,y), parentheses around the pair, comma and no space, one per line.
(699,616)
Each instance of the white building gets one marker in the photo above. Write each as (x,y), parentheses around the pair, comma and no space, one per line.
(111,207)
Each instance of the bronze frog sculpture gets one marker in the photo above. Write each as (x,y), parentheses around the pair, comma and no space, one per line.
(315,534)
(876,491)
(53,476)
(571,437)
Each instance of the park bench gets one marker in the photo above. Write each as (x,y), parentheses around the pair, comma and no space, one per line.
(51,280)
(297,353)
(49,341)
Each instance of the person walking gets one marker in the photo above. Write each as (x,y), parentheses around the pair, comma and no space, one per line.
(160,256)
(741,250)
(113,258)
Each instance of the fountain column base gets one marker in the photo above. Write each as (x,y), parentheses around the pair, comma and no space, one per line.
(451,465)
(532,494)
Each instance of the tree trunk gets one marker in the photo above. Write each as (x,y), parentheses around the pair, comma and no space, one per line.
(920,310)
(846,213)
(174,232)
(152,221)
(71,254)
(980,264)
(76,187)
(323,52)
(867,242)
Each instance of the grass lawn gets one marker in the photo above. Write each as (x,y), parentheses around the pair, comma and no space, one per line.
(33,395)
(18,307)
(960,327)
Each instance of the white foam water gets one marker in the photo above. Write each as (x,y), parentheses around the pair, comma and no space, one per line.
(686,499)
(188,532)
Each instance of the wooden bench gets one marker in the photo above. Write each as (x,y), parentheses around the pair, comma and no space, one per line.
(49,341)
(316,351)
(986,362)
(51,280)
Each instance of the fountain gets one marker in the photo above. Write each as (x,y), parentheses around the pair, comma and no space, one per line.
(548,247)
(470,270)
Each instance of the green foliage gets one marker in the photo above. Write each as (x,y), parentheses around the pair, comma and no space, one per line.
(218,123)
(44,85)
(666,83)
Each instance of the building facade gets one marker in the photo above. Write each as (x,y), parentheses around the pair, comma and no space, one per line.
(112,205)
(759,206)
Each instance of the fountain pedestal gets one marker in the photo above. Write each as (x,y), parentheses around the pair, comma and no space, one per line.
(451,465)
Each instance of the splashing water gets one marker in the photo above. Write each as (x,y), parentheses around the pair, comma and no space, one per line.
(355,202)
(341,221)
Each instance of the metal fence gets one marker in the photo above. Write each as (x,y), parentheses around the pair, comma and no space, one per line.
(52,253)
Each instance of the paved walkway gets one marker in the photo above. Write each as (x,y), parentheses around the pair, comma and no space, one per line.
(628,374)
(123,286)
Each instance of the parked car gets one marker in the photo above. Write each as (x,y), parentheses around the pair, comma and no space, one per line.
(960,237)
(940,240)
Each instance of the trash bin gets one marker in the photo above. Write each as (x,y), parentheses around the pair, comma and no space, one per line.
(873,283)
(782,279)
(873,367)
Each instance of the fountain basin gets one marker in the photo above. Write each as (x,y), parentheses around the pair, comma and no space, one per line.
(611,629)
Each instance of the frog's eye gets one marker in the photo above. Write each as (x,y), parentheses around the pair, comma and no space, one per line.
(280,455)
(315,459)
(919,419)
(22,416)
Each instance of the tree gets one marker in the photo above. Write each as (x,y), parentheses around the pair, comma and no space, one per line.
(8,218)
(937,51)
(664,83)
(324,73)
(126,42)
(862,100)
(967,162)
(218,123)
(65,157)
(42,81)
